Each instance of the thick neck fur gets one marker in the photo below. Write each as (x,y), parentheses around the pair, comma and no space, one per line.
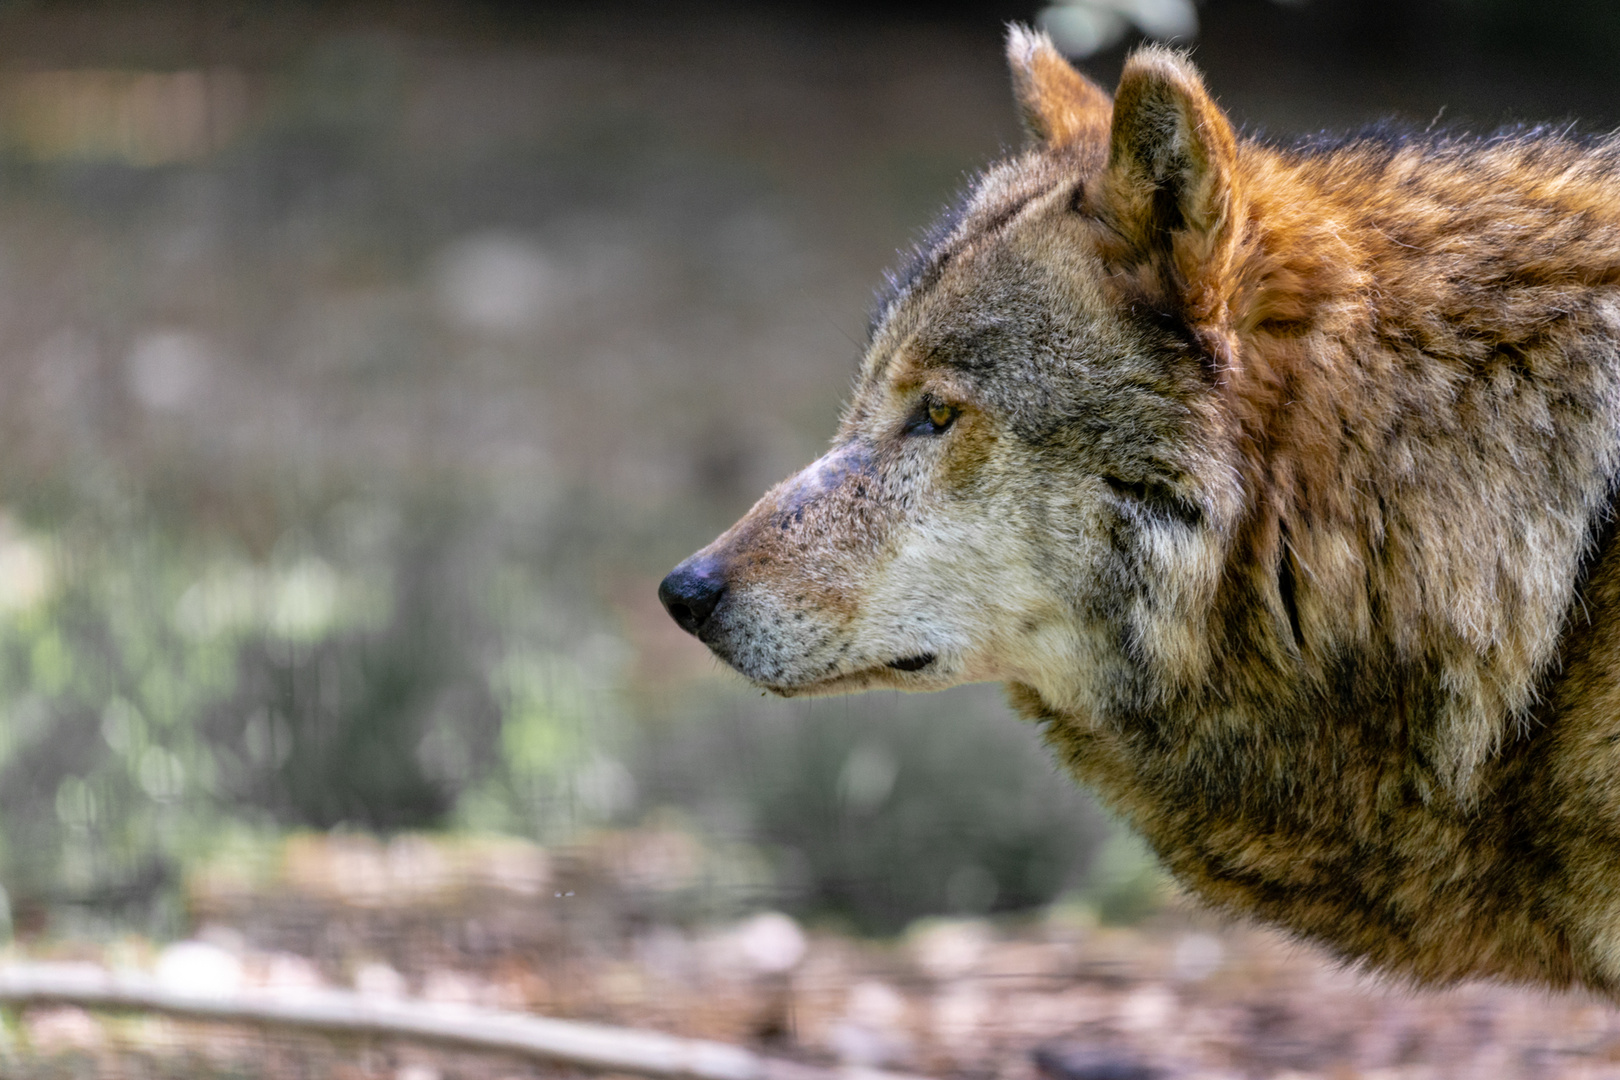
(1422,407)
(1425,393)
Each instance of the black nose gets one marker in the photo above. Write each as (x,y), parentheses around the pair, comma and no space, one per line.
(692,592)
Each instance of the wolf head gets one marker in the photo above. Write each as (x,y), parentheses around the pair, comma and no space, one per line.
(1030,482)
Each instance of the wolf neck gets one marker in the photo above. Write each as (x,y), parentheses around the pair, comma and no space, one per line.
(1425,413)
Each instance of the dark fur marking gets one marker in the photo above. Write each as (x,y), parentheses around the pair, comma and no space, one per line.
(1168,216)
(1177,337)
(979,349)
(1077,201)
(1286,586)
(1158,498)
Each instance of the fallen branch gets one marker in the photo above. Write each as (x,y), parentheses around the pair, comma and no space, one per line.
(562,1042)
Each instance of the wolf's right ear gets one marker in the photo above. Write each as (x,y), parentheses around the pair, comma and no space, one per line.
(1170,190)
(1059,104)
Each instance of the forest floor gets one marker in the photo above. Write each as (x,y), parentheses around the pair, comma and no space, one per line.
(577,934)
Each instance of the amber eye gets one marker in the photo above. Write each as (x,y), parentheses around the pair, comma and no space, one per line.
(932,418)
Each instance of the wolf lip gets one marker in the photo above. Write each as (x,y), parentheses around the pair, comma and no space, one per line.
(913,663)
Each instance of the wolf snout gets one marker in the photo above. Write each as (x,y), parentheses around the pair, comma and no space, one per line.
(692,591)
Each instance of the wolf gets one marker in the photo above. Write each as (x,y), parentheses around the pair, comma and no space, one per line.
(1276,483)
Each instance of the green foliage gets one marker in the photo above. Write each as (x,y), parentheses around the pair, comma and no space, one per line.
(101,769)
(156,685)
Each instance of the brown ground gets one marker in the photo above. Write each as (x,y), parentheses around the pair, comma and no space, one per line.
(497,924)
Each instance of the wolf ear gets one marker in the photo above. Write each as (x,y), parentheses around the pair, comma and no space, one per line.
(1168,189)
(1059,104)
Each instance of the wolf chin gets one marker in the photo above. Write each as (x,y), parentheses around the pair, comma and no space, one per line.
(1275,482)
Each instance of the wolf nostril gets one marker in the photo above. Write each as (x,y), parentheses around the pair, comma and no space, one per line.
(691,593)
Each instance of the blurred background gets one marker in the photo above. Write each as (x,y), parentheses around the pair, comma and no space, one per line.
(366,365)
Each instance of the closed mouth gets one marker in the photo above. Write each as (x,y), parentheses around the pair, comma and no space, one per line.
(865,678)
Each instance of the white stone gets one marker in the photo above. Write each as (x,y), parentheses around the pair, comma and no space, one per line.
(200,969)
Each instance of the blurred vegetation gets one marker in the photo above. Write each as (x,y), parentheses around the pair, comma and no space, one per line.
(364,386)
(881,809)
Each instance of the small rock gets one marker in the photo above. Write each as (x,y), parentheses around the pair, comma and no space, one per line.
(771,943)
(198,968)
(949,948)
(872,1034)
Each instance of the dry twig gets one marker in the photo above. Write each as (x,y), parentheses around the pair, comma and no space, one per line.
(563,1042)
